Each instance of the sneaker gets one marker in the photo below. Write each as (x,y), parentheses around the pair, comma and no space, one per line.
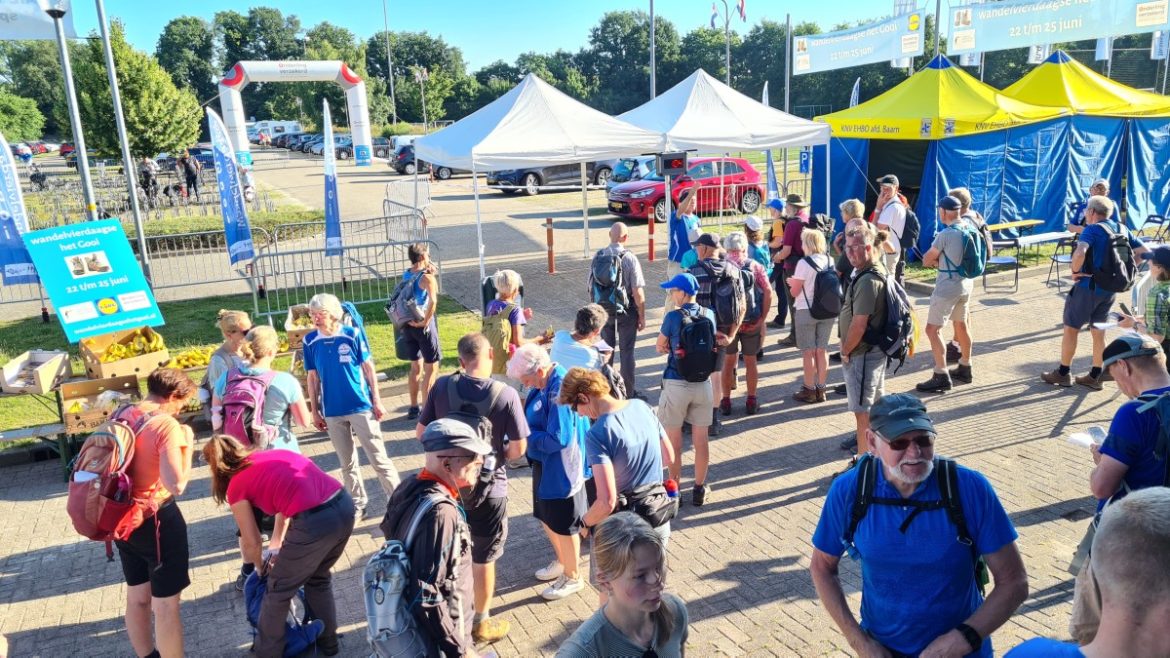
(1088,381)
(716,427)
(1057,379)
(563,588)
(753,405)
(938,383)
(805,394)
(961,374)
(778,323)
(953,352)
(551,572)
(240,580)
(490,630)
(412,413)
(840,389)
(699,494)
(725,406)
(760,355)
(849,442)
(835,357)
(787,341)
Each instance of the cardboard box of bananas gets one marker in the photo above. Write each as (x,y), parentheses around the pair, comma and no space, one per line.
(297,325)
(129,352)
(193,358)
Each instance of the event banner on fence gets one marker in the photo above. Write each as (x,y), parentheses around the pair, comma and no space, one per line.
(231,193)
(1021,23)
(894,38)
(17,266)
(93,278)
(27,20)
(332,210)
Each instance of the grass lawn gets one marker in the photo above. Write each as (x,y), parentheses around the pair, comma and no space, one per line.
(192,324)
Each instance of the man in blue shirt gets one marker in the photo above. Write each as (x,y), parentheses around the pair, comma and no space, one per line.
(343,396)
(1100,187)
(1086,303)
(919,593)
(683,229)
(1132,549)
(1128,459)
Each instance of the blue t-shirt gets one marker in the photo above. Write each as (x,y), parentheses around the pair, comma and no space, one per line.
(338,360)
(916,585)
(1131,440)
(1078,214)
(1043,647)
(680,228)
(1095,236)
(556,439)
(283,392)
(629,441)
(672,329)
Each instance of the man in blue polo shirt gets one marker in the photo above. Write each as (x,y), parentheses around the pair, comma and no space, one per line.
(919,592)
(683,229)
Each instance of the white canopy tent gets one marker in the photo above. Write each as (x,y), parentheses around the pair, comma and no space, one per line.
(533,124)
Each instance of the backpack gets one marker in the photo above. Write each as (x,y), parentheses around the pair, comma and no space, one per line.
(980,224)
(827,293)
(947,472)
(475,415)
(606,281)
(300,629)
(1161,406)
(974,259)
(697,352)
(823,223)
(498,331)
(1118,268)
(721,290)
(191,167)
(403,306)
(390,626)
(762,255)
(613,376)
(753,297)
(243,408)
(910,230)
(897,334)
(99,503)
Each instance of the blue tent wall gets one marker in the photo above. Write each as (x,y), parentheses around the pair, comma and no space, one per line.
(1148,189)
(850,159)
(1035,174)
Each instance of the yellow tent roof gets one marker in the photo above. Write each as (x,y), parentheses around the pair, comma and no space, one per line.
(939,101)
(1061,81)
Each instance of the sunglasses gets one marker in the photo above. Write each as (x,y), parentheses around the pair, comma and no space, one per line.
(902,443)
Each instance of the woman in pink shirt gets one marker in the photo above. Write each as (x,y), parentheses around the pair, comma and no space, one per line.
(314,518)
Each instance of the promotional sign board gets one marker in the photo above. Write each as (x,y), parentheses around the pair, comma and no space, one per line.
(92,278)
(1020,23)
(893,38)
(27,20)
(14,261)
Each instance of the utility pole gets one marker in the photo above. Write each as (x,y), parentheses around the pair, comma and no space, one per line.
(389,63)
(937,27)
(653,76)
(57,12)
(727,41)
(421,75)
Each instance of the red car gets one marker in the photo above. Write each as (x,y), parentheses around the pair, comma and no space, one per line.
(739,188)
(66,149)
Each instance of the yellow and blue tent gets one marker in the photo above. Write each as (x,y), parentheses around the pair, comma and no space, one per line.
(1062,81)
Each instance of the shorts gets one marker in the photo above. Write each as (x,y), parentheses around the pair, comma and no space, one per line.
(140,554)
(812,334)
(865,379)
(942,308)
(1083,306)
(752,342)
(488,524)
(421,343)
(562,515)
(683,401)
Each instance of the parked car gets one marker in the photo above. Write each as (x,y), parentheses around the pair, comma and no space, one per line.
(295,143)
(306,145)
(628,169)
(381,147)
(342,147)
(283,140)
(37,147)
(530,179)
(66,149)
(404,163)
(739,188)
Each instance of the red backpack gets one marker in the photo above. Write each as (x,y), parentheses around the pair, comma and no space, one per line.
(100,504)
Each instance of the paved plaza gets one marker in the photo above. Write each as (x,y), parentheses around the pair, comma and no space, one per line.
(740,562)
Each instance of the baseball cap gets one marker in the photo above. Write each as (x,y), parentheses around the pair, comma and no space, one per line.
(777,205)
(888,179)
(897,413)
(753,223)
(1160,255)
(796,200)
(684,282)
(949,203)
(1128,346)
(447,433)
(1100,181)
(708,240)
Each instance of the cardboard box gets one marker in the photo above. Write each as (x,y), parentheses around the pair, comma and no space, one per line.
(87,392)
(296,335)
(140,366)
(36,371)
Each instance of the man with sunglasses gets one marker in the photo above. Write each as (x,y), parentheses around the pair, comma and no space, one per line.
(920,594)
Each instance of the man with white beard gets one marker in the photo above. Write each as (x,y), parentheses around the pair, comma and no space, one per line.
(925,545)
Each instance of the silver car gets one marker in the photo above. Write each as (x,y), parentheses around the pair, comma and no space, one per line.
(628,169)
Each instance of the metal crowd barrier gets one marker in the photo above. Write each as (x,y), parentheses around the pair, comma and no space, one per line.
(193,259)
(402,193)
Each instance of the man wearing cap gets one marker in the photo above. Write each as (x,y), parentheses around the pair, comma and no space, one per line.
(623,331)
(791,250)
(950,299)
(1130,458)
(1077,223)
(775,235)
(440,547)
(1086,304)
(710,267)
(682,400)
(919,590)
(891,215)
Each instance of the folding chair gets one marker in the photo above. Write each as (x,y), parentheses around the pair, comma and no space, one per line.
(1001,260)
(1059,258)
(1161,232)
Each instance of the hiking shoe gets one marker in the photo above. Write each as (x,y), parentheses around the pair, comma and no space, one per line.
(716,427)
(787,341)
(490,630)
(961,374)
(1088,381)
(822,394)
(699,494)
(563,588)
(953,352)
(412,413)
(240,580)
(760,355)
(752,405)
(938,383)
(551,572)
(1105,377)
(840,389)
(805,394)
(327,648)
(778,323)
(1057,379)
(725,406)
(849,442)
(835,357)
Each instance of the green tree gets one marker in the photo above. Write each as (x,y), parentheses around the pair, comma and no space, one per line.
(264,34)
(617,61)
(33,69)
(20,119)
(410,49)
(499,70)
(705,48)
(186,49)
(438,89)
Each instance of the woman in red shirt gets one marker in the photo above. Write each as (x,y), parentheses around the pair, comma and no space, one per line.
(314,518)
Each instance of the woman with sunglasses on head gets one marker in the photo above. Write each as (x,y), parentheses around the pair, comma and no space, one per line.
(234,326)
(314,519)
(639,618)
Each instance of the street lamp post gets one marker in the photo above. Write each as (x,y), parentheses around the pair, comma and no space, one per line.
(57,12)
(389,63)
(727,41)
(421,75)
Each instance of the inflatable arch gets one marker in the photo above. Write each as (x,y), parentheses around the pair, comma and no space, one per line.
(290,71)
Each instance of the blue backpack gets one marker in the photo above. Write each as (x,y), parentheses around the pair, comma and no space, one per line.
(974,259)
(762,255)
(300,629)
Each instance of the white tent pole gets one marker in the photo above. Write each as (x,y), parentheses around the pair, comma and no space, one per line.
(585,209)
(722,190)
(828,182)
(416,181)
(478,221)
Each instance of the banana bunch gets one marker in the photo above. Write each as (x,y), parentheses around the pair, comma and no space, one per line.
(283,344)
(192,358)
(136,344)
(302,322)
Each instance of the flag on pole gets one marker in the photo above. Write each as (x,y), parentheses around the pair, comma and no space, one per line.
(1160,46)
(14,258)
(332,211)
(231,193)
(743,10)
(714,15)
(1104,49)
(1037,54)
(773,188)
(855,96)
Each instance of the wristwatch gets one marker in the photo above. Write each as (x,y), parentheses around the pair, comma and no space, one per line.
(971,635)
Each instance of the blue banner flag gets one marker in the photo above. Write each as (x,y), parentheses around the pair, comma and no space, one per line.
(890,39)
(772,185)
(231,193)
(1160,44)
(1021,23)
(332,212)
(17,266)
(93,278)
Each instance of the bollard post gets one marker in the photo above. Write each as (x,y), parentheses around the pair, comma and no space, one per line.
(548,237)
(650,222)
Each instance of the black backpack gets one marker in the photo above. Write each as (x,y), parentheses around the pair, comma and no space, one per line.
(475,414)
(721,290)
(697,352)
(947,473)
(827,294)
(910,230)
(895,338)
(613,377)
(753,297)
(606,281)
(823,223)
(1118,267)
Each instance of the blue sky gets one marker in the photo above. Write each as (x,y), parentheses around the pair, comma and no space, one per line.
(484,31)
